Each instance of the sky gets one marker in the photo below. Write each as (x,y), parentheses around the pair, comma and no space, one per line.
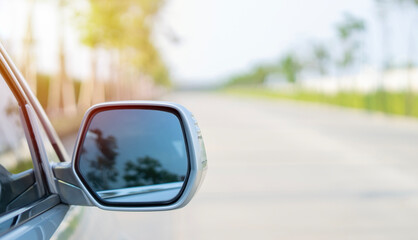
(219,38)
(216,38)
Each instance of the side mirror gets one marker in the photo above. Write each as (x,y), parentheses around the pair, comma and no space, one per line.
(136,156)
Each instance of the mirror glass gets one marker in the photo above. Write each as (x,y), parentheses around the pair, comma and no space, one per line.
(134,156)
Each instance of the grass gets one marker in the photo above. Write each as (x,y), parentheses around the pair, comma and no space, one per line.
(397,103)
(21,166)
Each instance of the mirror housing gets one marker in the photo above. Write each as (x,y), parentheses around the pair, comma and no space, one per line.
(74,188)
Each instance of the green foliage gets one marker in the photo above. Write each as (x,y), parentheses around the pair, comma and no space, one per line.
(147,171)
(321,57)
(349,26)
(254,77)
(126,26)
(347,31)
(290,67)
(22,165)
(397,103)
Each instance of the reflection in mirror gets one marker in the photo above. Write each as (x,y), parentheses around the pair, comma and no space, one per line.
(134,156)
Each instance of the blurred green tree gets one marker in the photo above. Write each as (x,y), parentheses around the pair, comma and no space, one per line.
(384,6)
(256,76)
(290,67)
(348,31)
(124,28)
(321,58)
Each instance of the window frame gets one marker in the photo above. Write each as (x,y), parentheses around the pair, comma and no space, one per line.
(26,102)
(23,91)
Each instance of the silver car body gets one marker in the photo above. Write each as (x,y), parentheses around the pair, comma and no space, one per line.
(40,219)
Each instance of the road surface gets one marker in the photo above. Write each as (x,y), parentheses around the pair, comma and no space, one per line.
(287,170)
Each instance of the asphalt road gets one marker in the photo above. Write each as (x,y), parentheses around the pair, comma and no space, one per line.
(286,170)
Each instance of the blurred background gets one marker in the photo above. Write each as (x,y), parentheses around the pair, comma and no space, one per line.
(308,108)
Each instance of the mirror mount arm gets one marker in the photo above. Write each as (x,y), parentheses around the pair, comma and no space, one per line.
(68,186)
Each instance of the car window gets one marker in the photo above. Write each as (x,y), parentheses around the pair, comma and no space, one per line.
(17,179)
(14,151)
(50,151)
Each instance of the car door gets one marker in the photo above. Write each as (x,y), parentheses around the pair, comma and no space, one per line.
(29,206)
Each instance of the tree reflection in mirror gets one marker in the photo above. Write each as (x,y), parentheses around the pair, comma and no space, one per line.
(134,156)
